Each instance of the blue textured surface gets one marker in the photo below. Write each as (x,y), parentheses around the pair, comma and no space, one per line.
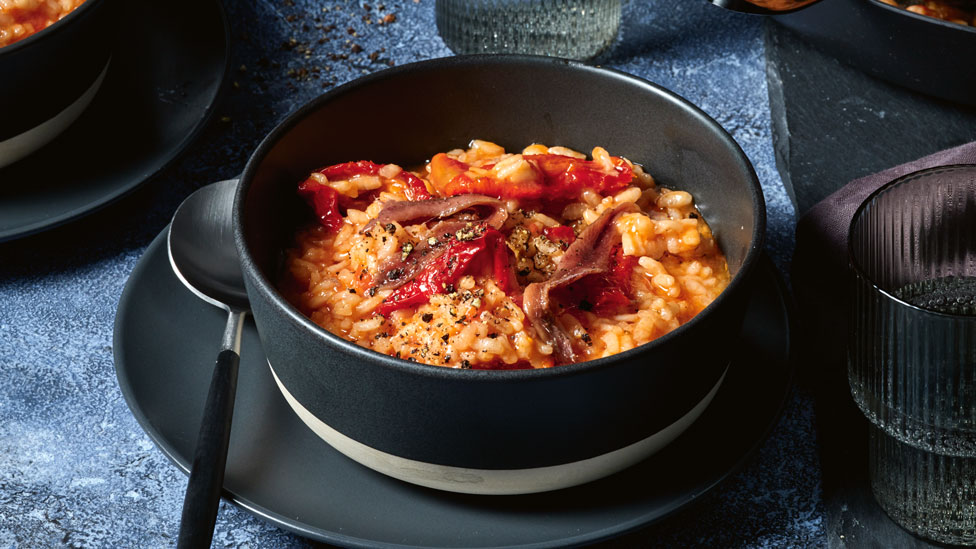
(76,470)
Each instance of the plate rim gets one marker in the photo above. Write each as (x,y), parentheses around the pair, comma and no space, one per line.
(148,172)
(785,389)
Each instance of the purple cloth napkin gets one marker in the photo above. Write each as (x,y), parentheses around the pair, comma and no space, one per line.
(819,271)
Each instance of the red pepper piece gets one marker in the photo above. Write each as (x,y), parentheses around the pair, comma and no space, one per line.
(556,177)
(443,170)
(502,270)
(562,233)
(458,259)
(445,270)
(610,300)
(570,176)
(615,290)
(608,293)
(324,200)
(347,170)
(415,188)
(450,178)
(622,268)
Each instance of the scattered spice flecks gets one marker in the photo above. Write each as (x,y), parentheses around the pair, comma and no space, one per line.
(306,55)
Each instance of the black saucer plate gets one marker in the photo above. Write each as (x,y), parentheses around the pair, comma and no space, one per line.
(166,341)
(163,81)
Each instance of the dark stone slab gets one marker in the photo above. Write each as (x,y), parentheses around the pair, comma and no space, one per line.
(833,124)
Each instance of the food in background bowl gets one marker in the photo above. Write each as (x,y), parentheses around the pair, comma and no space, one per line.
(22,18)
(961,12)
(54,56)
(488,260)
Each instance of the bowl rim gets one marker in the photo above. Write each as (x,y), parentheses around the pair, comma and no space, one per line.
(50,30)
(737,284)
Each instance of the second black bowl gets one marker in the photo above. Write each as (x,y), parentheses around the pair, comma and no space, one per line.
(49,78)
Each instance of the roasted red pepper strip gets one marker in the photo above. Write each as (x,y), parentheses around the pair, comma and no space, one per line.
(502,270)
(609,300)
(605,294)
(415,188)
(413,185)
(458,259)
(560,233)
(571,175)
(324,200)
(614,290)
(555,177)
(347,170)
(449,177)
(442,273)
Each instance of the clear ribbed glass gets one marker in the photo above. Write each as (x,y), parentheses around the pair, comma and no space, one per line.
(912,347)
(575,29)
(931,494)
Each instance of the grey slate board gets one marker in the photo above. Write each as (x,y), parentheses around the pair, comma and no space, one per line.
(833,124)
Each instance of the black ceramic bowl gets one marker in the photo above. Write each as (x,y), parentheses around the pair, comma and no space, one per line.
(50,77)
(497,431)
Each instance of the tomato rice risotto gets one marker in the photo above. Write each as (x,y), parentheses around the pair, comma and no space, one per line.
(22,18)
(491,260)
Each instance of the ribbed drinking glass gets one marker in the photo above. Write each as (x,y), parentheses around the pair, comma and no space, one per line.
(576,29)
(912,350)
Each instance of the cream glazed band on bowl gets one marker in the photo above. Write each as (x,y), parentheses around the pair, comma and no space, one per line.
(17,147)
(498,481)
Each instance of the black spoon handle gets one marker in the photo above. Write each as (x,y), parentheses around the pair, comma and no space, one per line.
(207,472)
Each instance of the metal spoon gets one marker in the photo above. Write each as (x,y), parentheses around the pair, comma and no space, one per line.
(204,257)
(763,7)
